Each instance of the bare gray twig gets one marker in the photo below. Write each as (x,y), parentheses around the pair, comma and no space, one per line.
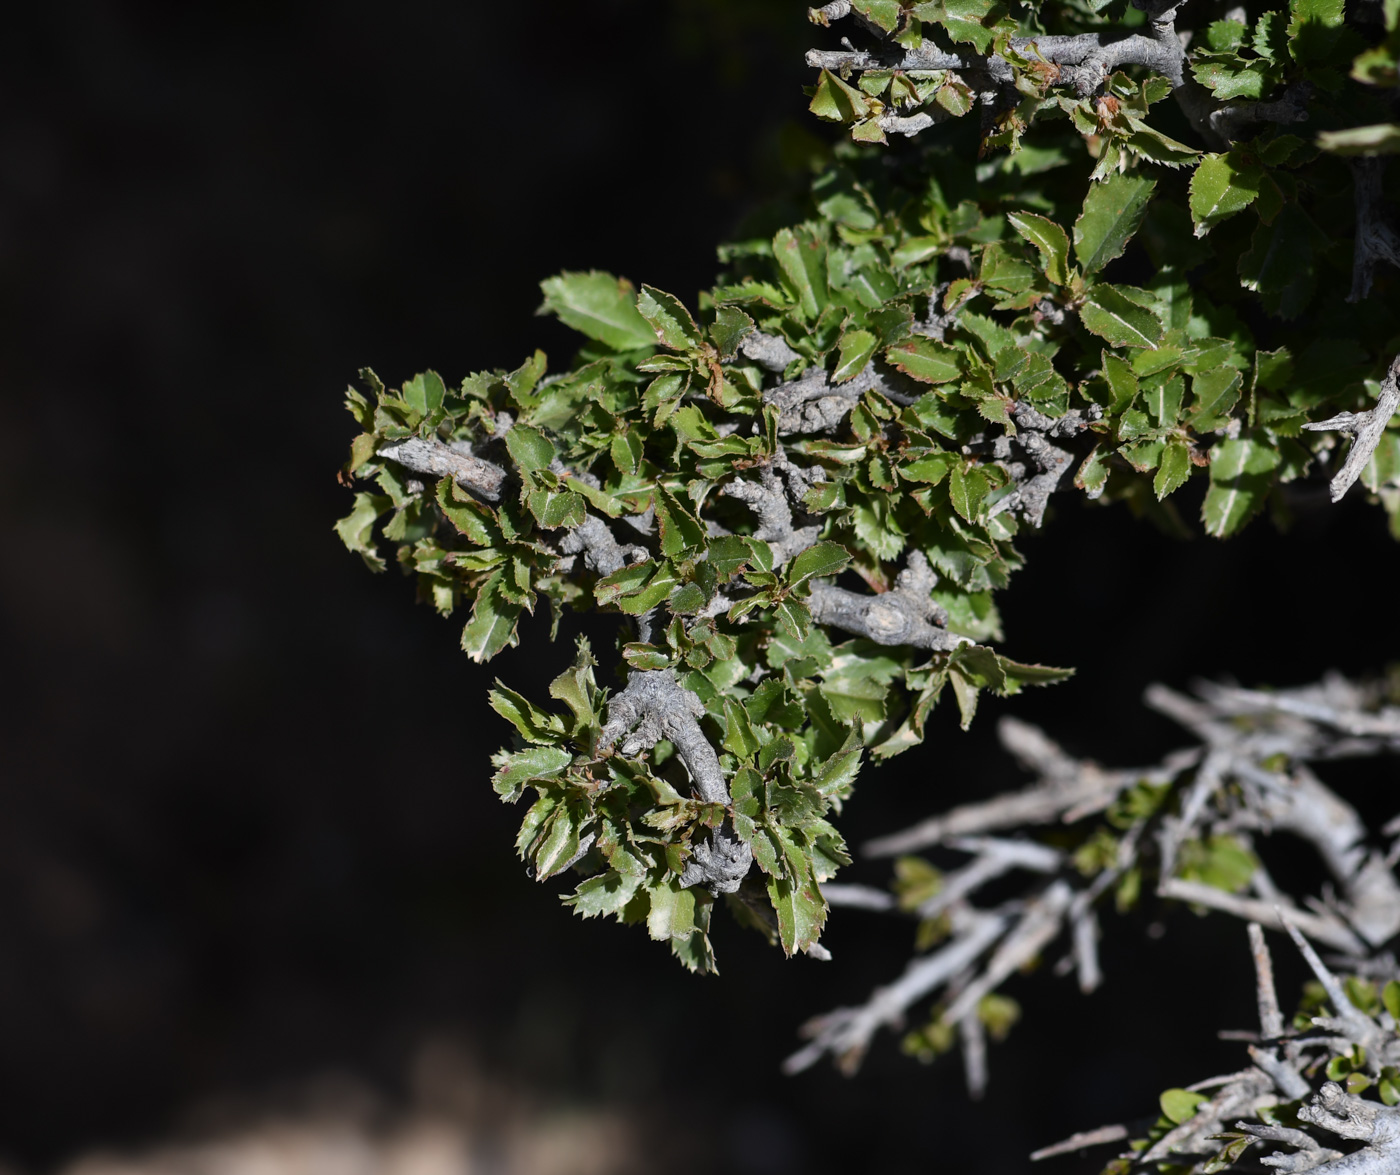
(654,706)
(435,458)
(1364,427)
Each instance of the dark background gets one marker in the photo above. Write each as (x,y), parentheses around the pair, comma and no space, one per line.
(223,867)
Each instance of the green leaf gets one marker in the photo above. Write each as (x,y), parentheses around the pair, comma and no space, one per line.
(681,531)
(817,562)
(555,508)
(797,899)
(728,330)
(1225,36)
(672,913)
(1214,393)
(492,624)
(1179,1105)
(1390,997)
(801,255)
(1377,139)
(857,346)
(1050,239)
(835,101)
(1223,185)
(1174,469)
(1016,675)
(670,321)
(1313,28)
(1281,262)
(356,529)
(530,448)
(424,393)
(1114,317)
(967,488)
(535,725)
(1239,484)
(1112,212)
(836,776)
(599,305)
(884,13)
(927,360)
(523,766)
(739,738)
(929,469)
(606,894)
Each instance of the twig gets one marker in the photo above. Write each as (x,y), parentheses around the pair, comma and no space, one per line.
(654,706)
(846,1033)
(812,403)
(1065,785)
(1081,1141)
(1333,933)
(434,458)
(905,615)
(1365,428)
(770,497)
(859,897)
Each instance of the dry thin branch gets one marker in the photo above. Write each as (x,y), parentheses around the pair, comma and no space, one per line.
(845,1033)
(1081,1141)
(1365,428)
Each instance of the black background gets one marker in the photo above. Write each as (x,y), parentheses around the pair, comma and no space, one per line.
(245,831)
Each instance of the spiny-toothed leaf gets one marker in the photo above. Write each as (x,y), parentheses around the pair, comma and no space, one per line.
(1174,469)
(884,13)
(837,774)
(557,842)
(356,529)
(739,737)
(557,508)
(535,725)
(926,360)
(1313,28)
(599,305)
(817,562)
(670,321)
(530,448)
(672,912)
(796,897)
(801,255)
(1222,185)
(680,530)
(835,101)
(576,688)
(1280,264)
(1122,381)
(606,894)
(1112,212)
(1051,241)
(857,346)
(492,624)
(1111,315)
(928,469)
(1016,675)
(1214,393)
(1239,483)
(523,766)
(728,330)
(424,393)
